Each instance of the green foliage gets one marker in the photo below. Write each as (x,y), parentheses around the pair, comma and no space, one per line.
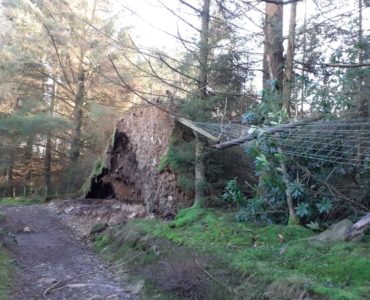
(232,194)
(179,158)
(254,210)
(324,206)
(303,209)
(296,189)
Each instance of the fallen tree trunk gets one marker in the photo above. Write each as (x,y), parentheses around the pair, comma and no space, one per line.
(358,228)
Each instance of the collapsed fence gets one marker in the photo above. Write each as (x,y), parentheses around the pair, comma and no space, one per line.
(334,141)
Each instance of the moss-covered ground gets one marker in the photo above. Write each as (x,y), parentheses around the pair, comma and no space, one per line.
(241,260)
(20,201)
(5,264)
(4,273)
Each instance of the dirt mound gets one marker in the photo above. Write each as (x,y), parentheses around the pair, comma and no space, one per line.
(131,168)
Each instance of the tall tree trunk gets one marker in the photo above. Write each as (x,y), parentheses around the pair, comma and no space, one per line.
(303,83)
(363,108)
(28,163)
(273,60)
(9,179)
(51,94)
(287,89)
(78,115)
(200,179)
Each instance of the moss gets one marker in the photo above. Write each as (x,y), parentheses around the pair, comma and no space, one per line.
(20,201)
(277,257)
(97,169)
(4,274)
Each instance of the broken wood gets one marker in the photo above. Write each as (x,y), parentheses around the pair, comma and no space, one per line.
(193,126)
(358,228)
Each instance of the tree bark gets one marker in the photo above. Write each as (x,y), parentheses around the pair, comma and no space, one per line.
(287,88)
(51,92)
(363,108)
(200,177)
(9,179)
(273,60)
(204,50)
(293,220)
(78,115)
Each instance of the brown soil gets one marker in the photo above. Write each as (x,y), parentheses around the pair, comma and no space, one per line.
(48,250)
(142,137)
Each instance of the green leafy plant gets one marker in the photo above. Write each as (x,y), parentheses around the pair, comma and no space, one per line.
(314,226)
(324,206)
(303,209)
(297,189)
(232,194)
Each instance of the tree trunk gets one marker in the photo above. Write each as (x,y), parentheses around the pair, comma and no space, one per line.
(28,164)
(363,109)
(9,179)
(303,83)
(273,60)
(51,94)
(293,220)
(200,178)
(78,115)
(287,88)
(204,50)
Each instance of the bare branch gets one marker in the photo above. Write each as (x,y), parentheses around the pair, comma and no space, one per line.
(191,6)
(348,66)
(127,86)
(177,15)
(280,2)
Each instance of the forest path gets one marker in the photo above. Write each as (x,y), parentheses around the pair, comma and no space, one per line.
(48,251)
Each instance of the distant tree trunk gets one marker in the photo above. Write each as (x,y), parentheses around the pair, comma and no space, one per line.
(78,115)
(51,94)
(363,108)
(28,164)
(303,84)
(9,179)
(287,89)
(273,60)
(202,89)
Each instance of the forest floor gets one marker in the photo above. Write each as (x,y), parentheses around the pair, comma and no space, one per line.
(51,261)
(202,254)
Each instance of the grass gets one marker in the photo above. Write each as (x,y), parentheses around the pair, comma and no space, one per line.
(261,261)
(4,273)
(20,201)
(5,263)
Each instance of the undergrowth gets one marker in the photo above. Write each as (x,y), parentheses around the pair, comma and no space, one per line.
(243,260)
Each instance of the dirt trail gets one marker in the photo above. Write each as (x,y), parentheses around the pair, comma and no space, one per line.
(48,251)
